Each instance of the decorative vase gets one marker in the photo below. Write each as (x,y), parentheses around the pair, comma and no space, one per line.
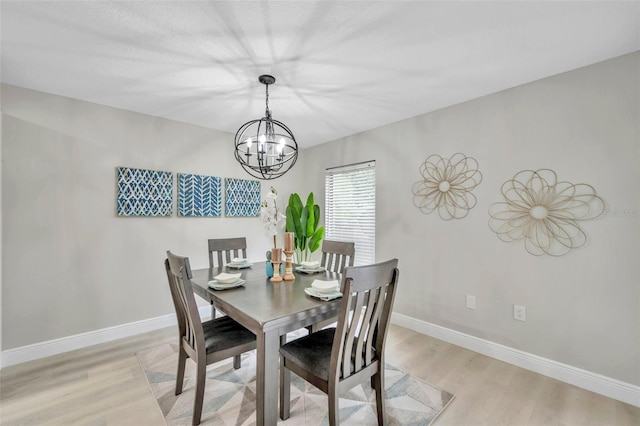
(269,269)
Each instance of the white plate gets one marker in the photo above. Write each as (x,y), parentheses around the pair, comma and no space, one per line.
(239,265)
(323,296)
(310,271)
(226,286)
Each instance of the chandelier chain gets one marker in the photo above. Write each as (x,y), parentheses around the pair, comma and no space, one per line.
(266,87)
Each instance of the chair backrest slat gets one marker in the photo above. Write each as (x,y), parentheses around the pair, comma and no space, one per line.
(375,323)
(366,335)
(352,326)
(226,249)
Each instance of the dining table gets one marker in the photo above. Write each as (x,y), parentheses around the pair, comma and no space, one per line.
(270,310)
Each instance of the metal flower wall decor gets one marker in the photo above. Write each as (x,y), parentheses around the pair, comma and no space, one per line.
(446,186)
(544,213)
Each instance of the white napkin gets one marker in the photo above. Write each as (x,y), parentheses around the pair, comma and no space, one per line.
(238,260)
(322,286)
(310,264)
(225,278)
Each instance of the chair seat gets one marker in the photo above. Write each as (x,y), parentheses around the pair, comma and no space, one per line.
(313,352)
(224,333)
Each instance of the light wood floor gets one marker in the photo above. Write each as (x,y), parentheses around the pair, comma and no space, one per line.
(104,385)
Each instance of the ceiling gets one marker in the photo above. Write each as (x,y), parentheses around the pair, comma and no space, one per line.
(341,67)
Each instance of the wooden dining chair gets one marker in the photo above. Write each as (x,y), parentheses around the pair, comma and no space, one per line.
(337,255)
(204,342)
(338,358)
(222,251)
(225,249)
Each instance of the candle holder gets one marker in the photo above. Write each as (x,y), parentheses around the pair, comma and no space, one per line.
(289,240)
(288,266)
(276,271)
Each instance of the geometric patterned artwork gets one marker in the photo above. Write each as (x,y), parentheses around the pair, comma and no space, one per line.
(199,195)
(446,186)
(242,197)
(544,213)
(144,192)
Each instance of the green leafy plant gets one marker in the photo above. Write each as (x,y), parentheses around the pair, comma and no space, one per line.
(303,220)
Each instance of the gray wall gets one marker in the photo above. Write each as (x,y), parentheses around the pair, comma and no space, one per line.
(583,309)
(70,265)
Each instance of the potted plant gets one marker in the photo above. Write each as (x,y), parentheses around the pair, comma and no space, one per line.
(303,220)
(272,220)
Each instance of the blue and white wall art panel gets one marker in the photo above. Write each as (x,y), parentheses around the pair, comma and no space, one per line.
(144,192)
(199,195)
(242,197)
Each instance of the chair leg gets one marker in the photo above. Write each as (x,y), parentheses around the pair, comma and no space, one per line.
(378,379)
(236,362)
(334,415)
(201,370)
(285,390)
(213,311)
(182,360)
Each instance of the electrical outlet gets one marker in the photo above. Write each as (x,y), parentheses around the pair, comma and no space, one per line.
(520,312)
(471,301)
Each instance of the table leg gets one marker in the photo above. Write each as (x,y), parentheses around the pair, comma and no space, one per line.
(268,346)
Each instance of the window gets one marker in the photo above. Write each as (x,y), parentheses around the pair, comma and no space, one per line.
(350,204)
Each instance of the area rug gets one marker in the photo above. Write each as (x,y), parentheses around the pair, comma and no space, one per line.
(229,397)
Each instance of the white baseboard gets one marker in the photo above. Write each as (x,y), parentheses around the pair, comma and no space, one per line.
(594,382)
(83,340)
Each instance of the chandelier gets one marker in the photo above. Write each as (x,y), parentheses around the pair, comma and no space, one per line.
(266,148)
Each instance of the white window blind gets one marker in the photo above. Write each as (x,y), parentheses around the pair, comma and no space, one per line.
(350,208)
